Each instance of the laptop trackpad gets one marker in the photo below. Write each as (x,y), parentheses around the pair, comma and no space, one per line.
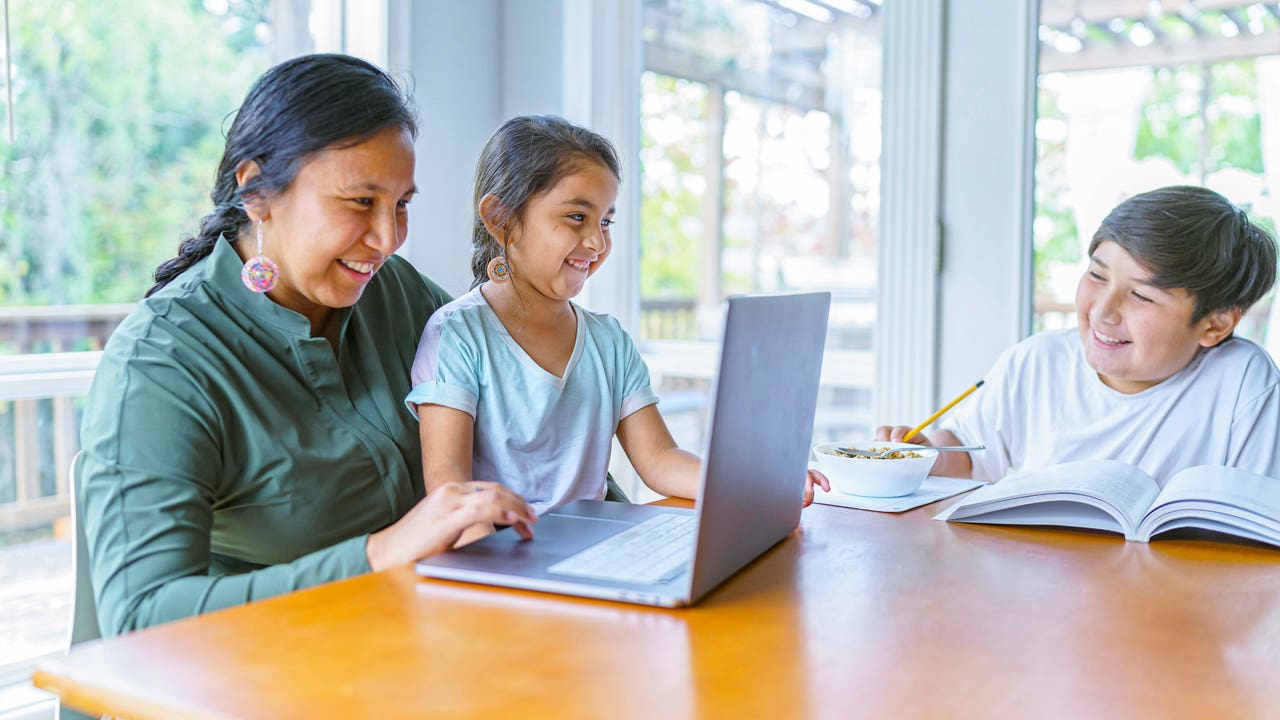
(555,537)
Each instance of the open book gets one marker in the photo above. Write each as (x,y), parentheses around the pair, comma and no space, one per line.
(1115,496)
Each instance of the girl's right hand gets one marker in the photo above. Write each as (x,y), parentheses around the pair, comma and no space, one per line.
(439,519)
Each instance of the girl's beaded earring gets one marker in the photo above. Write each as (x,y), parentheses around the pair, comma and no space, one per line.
(499,271)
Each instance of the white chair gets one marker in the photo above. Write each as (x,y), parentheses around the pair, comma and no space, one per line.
(84,611)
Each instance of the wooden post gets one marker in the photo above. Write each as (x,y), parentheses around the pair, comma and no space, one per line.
(26,450)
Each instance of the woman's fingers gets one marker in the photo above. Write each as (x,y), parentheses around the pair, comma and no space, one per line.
(441,518)
(522,528)
(496,503)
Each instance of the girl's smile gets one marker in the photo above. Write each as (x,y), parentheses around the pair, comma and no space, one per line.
(581,265)
(563,236)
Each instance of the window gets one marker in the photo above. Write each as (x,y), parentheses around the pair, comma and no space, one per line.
(1159,94)
(118,111)
(760,172)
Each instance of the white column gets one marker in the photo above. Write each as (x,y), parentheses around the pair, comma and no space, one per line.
(907,251)
(988,164)
(1268,75)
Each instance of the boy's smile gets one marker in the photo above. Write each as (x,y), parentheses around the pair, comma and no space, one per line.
(1135,334)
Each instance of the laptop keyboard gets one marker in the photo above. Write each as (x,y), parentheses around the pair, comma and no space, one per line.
(655,550)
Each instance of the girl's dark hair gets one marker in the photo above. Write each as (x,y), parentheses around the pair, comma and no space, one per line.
(527,156)
(1194,239)
(296,108)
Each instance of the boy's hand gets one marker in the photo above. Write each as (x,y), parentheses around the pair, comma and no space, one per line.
(813,477)
(948,464)
(895,433)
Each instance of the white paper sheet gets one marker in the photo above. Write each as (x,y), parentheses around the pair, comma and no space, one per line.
(933,490)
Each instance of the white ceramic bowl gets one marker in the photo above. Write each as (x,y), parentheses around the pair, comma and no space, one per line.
(890,477)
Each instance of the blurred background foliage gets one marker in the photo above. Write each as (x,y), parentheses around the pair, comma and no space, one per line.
(119,109)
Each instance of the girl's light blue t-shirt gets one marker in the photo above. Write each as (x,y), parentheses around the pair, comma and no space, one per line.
(547,438)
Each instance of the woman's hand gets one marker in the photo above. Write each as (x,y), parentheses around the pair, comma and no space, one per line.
(436,523)
(813,477)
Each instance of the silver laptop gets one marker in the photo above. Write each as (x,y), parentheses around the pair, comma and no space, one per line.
(750,495)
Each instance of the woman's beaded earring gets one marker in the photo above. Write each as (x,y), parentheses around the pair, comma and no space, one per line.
(499,271)
(259,273)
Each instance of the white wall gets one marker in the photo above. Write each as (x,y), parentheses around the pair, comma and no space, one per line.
(532,56)
(455,53)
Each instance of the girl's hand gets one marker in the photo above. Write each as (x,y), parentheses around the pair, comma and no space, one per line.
(813,477)
(439,519)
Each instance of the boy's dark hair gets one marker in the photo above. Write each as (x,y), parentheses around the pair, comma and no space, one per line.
(1192,238)
(296,108)
(528,155)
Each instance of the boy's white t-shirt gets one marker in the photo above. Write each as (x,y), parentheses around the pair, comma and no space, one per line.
(1041,404)
(546,438)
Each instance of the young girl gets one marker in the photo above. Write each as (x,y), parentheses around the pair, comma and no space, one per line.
(515,383)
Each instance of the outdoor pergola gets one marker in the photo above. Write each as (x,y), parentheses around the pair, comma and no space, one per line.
(1098,34)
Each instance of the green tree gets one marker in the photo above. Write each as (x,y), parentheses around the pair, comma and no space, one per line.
(1203,118)
(671,214)
(1056,236)
(119,108)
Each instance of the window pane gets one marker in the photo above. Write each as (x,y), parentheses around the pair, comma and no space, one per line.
(1132,102)
(760,173)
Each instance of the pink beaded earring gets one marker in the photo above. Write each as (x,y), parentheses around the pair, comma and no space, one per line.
(499,270)
(259,273)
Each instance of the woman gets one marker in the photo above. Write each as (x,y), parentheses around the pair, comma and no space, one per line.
(244,435)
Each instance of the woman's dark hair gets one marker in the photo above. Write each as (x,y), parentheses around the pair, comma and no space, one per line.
(296,108)
(527,156)
(1194,239)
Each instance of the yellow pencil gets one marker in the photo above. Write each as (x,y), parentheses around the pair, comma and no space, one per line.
(938,414)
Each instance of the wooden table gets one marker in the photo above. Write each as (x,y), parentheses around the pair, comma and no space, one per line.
(859,614)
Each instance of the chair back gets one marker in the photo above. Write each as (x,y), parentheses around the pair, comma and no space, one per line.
(84,611)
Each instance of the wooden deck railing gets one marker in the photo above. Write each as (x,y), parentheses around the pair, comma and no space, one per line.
(50,356)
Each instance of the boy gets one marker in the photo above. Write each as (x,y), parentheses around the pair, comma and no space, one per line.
(1152,376)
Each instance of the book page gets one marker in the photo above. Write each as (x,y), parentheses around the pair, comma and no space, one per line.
(1052,509)
(1221,495)
(1227,485)
(1127,490)
(1217,522)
